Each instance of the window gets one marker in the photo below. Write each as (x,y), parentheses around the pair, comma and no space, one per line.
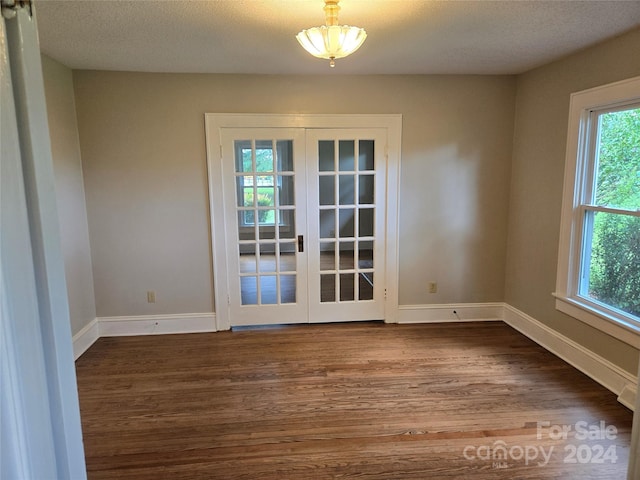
(265,186)
(599,256)
(264,173)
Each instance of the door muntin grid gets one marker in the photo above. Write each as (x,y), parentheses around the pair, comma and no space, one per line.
(266,219)
(346,183)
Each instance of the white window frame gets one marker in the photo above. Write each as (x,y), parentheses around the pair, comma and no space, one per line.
(578,169)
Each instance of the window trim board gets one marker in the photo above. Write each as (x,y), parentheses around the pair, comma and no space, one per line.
(580,128)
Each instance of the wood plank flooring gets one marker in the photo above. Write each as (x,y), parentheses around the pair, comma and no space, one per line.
(363,400)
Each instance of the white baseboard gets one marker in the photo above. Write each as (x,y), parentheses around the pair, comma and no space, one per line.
(141,325)
(444,313)
(622,383)
(85,338)
(157,324)
(610,376)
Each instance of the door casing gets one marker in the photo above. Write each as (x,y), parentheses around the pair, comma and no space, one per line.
(214,122)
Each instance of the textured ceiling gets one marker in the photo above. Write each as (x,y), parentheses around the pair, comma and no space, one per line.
(258,36)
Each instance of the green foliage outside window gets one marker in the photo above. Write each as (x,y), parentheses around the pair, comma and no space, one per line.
(265,184)
(614,274)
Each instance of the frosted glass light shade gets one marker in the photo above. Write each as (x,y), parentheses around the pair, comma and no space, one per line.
(332,41)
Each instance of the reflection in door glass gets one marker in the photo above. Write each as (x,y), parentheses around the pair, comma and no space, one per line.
(327,288)
(346,256)
(365,287)
(285,190)
(347,189)
(326,156)
(248,290)
(287,227)
(284,152)
(346,287)
(327,256)
(365,155)
(247,258)
(365,222)
(327,223)
(268,290)
(346,154)
(267,257)
(287,289)
(265,207)
(267,232)
(287,257)
(365,189)
(346,222)
(327,190)
(264,156)
(365,254)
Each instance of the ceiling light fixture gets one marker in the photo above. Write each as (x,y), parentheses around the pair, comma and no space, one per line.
(332,40)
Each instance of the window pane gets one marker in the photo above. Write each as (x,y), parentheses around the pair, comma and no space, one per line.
(244,191)
(327,223)
(243,156)
(346,152)
(346,256)
(287,257)
(287,225)
(267,257)
(268,290)
(365,193)
(346,287)
(365,286)
(326,155)
(611,264)
(365,155)
(287,289)
(248,258)
(264,156)
(284,149)
(246,230)
(347,189)
(327,288)
(327,256)
(266,231)
(286,190)
(365,255)
(365,223)
(327,190)
(618,174)
(346,222)
(248,290)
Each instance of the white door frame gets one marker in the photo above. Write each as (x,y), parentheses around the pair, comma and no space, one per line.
(215,121)
(40,428)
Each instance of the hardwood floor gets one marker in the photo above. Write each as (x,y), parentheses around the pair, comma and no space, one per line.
(364,400)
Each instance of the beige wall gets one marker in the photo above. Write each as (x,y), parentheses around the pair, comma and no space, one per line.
(65,147)
(143,151)
(542,110)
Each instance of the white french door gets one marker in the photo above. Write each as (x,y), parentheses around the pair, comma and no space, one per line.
(304,211)
(346,224)
(265,218)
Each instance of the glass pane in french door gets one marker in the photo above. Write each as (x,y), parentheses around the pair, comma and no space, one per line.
(348,225)
(346,216)
(267,271)
(265,206)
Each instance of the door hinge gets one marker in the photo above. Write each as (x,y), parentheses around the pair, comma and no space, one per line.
(10,7)
(221,152)
(385,293)
(228,299)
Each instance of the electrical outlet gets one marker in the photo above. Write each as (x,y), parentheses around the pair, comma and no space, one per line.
(151,296)
(433,287)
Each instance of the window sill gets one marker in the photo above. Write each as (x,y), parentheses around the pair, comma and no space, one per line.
(625,331)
